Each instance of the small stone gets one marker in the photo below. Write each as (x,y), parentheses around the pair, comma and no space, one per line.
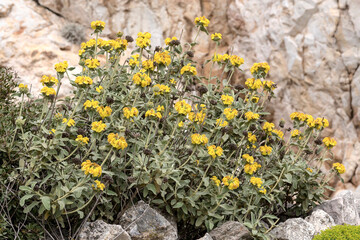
(5,8)
(320,220)
(293,229)
(99,230)
(230,230)
(206,237)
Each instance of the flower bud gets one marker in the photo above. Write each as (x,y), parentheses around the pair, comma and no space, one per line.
(20,122)
(149,104)
(147,151)
(282,123)
(190,53)
(119,34)
(156,89)
(129,39)
(318,141)
(109,100)
(227,89)
(122,129)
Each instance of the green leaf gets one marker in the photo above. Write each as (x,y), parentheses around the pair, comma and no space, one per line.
(178,205)
(46,201)
(31,206)
(199,221)
(152,188)
(25,188)
(24,198)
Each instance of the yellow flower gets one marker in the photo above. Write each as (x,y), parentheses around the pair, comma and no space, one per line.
(91,104)
(181,124)
(48,80)
(253,84)
(188,69)
(98,126)
(202,21)
(162,89)
(260,67)
(216,180)
(92,63)
(69,122)
(295,133)
(173,81)
(265,150)
(251,168)
(148,65)
(48,91)
(153,113)
(230,113)
(231,182)
(339,168)
(325,123)
(182,107)
(329,142)
(251,138)
(143,39)
(298,116)
(81,52)
(168,40)
(98,25)
(129,113)
(251,116)
(82,140)
(215,151)
(269,85)
(99,185)
(248,158)
(23,86)
(99,89)
(91,168)
(199,139)
(116,141)
(256,181)
(221,122)
(227,99)
(61,67)
(309,169)
(52,131)
(216,37)
(160,108)
(163,58)
(279,133)
(142,79)
(217,58)
(268,127)
(83,80)
(133,62)
(262,190)
(104,111)
(198,117)
(236,61)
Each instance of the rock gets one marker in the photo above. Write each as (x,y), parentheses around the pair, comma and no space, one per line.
(5,8)
(99,230)
(320,220)
(230,230)
(341,208)
(143,222)
(293,229)
(206,237)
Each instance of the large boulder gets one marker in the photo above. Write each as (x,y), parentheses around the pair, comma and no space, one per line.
(206,237)
(100,230)
(320,220)
(230,230)
(143,222)
(293,229)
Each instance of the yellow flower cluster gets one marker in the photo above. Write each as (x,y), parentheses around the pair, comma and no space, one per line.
(160,108)
(23,86)
(61,67)
(202,21)
(253,84)
(248,158)
(227,99)
(279,133)
(143,39)
(182,107)
(98,185)
(220,58)
(118,44)
(188,69)
(99,89)
(98,25)
(256,181)
(83,80)
(268,127)
(216,37)
(295,133)
(47,91)
(251,138)
(317,123)
(148,65)
(82,140)
(265,150)
(339,168)
(163,58)
(104,111)
(236,60)
(329,142)
(142,79)
(309,169)
(198,117)
(269,85)
(173,81)
(91,104)
(215,151)
(116,141)
(98,126)
(216,180)
(168,40)
(199,139)
(161,89)
(221,122)
(254,99)
(231,182)
(153,113)
(251,168)
(129,113)
(92,63)
(69,122)
(251,116)
(258,67)
(134,60)
(91,168)
(48,80)
(230,113)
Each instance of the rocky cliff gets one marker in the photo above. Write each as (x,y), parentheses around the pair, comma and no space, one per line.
(312,46)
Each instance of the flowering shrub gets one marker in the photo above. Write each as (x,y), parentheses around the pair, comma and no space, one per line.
(134,129)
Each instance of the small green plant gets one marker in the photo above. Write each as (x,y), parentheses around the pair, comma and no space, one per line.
(134,129)
(340,232)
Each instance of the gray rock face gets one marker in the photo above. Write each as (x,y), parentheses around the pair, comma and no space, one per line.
(206,237)
(342,208)
(320,220)
(230,230)
(100,230)
(293,229)
(143,222)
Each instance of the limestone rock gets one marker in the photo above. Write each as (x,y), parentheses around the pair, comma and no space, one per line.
(206,237)
(143,222)
(320,220)
(230,230)
(293,229)
(99,230)
(5,8)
